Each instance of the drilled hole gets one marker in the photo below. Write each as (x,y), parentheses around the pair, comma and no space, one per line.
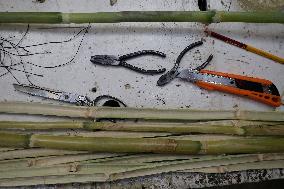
(266,97)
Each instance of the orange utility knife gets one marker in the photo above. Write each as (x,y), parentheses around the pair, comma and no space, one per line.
(261,90)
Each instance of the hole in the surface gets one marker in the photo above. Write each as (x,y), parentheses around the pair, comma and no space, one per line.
(202,4)
(66,96)
(111,103)
(94,89)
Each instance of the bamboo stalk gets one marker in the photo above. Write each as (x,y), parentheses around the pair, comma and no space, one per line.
(117,168)
(153,145)
(28,125)
(274,164)
(232,127)
(7,165)
(136,113)
(115,171)
(36,152)
(31,181)
(141,16)
(187,165)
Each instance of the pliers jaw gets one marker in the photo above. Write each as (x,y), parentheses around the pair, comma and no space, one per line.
(167,77)
(105,60)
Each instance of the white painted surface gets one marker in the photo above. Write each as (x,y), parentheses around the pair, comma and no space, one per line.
(123,38)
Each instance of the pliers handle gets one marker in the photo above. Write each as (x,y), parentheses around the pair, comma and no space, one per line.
(121,60)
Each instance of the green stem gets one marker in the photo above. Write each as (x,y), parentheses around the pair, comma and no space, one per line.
(141,16)
(147,145)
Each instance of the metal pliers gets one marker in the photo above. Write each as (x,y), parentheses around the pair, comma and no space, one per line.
(121,61)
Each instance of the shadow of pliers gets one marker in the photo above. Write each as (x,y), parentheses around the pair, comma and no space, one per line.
(121,61)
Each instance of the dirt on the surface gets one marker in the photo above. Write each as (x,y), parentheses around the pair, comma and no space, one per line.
(262,5)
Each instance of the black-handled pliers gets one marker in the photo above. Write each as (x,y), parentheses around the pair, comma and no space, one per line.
(121,61)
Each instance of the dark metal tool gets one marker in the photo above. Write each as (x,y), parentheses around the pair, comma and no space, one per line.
(113,60)
(71,98)
(261,90)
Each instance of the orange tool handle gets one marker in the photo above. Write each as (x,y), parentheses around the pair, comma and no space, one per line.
(269,99)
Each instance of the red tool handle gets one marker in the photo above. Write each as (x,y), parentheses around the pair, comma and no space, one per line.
(269,99)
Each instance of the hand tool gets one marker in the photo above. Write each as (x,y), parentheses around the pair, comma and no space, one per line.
(121,61)
(245,46)
(71,98)
(261,90)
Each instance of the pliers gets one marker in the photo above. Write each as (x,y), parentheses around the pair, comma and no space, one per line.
(121,61)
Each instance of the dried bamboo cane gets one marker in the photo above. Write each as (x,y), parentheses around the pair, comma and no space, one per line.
(136,113)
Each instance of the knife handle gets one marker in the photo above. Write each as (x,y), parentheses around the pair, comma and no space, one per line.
(269,99)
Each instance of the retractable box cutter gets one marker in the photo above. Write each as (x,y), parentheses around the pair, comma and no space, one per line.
(257,89)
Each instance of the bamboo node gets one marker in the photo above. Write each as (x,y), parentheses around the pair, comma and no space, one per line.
(89,113)
(31,141)
(204,147)
(65,18)
(238,114)
(31,162)
(260,157)
(217,18)
(222,169)
(74,167)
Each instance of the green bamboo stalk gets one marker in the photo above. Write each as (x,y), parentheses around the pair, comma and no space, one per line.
(141,16)
(232,127)
(29,125)
(136,113)
(15,140)
(223,145)
(211,127)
